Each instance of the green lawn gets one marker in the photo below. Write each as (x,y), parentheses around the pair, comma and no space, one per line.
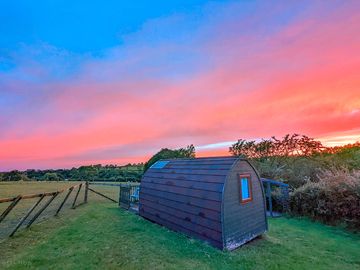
(102,236)
(13,189)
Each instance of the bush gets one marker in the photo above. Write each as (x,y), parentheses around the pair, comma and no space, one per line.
(51,176)
(295,171)
(334,199)
(165,153)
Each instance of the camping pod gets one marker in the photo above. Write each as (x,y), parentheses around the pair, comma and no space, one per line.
(217,199)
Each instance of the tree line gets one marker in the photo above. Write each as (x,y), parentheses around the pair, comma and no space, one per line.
(126,173)
(129,172)
(324,181)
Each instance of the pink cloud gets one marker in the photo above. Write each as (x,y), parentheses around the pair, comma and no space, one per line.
(302,78)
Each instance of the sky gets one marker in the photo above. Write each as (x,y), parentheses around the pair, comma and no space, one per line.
(113,82)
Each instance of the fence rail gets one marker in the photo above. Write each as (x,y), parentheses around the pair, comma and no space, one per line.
(105,184)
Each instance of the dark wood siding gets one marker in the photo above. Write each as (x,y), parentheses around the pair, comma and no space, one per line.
(242,221)
(183,199)
(179,228)
(189,191)
(186,195)
(190,177)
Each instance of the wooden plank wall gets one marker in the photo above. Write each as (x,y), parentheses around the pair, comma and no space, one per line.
(243,221)
(186,196)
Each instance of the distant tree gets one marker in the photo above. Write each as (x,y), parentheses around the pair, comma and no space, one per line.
(165,153)
(289,145)
(347,156)
(98,172)
(293,159)
(51,176)
(14,176)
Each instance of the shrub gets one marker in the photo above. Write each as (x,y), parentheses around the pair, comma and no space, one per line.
(334,199)
(295,171)
(165,153)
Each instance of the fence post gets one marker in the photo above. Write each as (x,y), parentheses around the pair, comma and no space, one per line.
(63,202)
(27,215)
(268,189)
(119,194)
(86,192)
(285,198)
(42,209)
(77,194)
(10,207)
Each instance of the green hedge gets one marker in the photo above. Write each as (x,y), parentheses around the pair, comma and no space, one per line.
(334,199)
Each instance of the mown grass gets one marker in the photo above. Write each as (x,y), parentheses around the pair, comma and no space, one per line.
(102,236)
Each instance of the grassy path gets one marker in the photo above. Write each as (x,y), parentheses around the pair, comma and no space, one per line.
(102,236)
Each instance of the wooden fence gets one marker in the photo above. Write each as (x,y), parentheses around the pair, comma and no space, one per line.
(26,217)
(37,208)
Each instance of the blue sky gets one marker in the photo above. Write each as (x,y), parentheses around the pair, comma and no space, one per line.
(80,26)
(85,82)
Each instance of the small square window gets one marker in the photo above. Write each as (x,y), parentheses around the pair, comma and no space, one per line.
(245,188)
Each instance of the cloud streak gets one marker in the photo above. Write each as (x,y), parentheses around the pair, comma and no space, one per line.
(231,71)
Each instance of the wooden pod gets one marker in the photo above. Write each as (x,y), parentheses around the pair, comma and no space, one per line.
(219,199)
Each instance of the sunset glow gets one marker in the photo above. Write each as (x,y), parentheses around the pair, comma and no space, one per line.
(115,90)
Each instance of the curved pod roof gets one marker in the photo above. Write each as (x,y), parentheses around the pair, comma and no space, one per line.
(187,195)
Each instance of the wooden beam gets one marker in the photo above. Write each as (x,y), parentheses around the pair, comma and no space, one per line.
(98,193)
(76,196)
(105,184)
(27,215)
(10,207)
(4,200)
(31,196)
(86,192)
(63,202)
(42,209)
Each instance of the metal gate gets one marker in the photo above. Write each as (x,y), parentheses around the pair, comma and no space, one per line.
(124,201)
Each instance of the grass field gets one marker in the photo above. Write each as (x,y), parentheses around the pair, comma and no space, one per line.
(12,189)
(102,236)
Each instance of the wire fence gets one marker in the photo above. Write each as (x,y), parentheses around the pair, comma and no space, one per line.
(128,195)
